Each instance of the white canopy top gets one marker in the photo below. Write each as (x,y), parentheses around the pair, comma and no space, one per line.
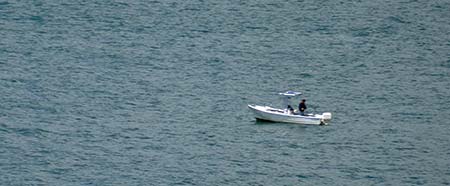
(290,93)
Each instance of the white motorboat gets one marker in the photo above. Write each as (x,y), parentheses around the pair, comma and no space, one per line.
(287,115)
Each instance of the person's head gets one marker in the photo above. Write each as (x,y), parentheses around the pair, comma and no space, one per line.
(303,100)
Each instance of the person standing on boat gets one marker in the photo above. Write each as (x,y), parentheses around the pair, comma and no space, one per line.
(302,107)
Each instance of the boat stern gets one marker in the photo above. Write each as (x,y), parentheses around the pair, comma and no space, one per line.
(326,117)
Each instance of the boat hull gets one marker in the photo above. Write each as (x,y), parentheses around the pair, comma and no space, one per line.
(278,115)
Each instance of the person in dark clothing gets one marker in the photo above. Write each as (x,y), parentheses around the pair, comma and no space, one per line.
(290,109)
(302,107)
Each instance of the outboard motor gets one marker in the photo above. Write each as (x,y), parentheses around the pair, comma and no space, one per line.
(326,116)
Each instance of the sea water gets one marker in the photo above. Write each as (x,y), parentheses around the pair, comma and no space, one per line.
(155,92)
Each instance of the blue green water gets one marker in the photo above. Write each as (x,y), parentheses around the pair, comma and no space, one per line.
(155,92)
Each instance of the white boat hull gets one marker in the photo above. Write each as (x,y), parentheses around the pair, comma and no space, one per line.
(278,115)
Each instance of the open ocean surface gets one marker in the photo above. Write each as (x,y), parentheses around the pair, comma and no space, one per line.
(134,92)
